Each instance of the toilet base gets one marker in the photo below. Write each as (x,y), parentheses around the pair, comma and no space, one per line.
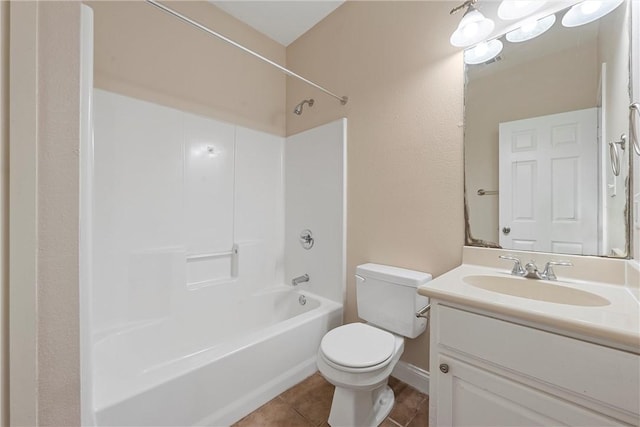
(361,407)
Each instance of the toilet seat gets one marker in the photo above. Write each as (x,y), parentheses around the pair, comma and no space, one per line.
(358,346)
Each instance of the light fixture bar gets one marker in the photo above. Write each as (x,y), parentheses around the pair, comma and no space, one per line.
(462,6)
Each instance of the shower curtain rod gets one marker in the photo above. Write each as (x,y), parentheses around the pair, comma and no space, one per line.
(343,99)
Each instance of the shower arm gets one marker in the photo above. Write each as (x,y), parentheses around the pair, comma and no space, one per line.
(343,99)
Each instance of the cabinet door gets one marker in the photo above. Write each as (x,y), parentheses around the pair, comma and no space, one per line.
(470,396)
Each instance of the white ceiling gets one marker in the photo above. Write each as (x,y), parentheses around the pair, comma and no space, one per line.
(283,21)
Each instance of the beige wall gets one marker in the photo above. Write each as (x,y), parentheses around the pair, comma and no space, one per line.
(44,223)
(512,94)
(4,217)
(58,213)
(22,214)
(142,52)
(404,82)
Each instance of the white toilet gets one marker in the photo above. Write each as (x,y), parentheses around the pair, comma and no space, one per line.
(358,357)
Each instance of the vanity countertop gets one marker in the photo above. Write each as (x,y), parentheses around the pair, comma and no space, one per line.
(616,324)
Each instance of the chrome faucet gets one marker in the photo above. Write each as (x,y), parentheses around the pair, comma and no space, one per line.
(548,272)
(531,271)
(300,279)
(517,266)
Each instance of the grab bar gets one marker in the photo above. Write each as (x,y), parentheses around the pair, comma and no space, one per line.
(233,251)
(633,126)
(482,192)
(615,154)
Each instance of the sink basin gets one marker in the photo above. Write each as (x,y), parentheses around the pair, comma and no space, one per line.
(536,290)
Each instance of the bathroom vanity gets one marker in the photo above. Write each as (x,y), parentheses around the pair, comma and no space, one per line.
(507,351)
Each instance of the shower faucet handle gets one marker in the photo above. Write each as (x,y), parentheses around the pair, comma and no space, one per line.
(306,239)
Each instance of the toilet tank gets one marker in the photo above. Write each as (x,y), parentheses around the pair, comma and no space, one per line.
(387,297)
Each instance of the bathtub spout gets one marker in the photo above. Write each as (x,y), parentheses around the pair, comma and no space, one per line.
(300,279)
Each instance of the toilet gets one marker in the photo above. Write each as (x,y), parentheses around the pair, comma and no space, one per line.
(357,358)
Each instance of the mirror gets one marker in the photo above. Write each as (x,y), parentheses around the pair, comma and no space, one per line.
(538,122)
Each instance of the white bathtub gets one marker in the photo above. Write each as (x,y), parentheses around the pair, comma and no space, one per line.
(187,371)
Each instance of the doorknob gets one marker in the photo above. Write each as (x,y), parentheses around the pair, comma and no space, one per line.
(506,230)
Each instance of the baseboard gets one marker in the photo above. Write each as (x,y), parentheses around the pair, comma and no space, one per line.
(416,377)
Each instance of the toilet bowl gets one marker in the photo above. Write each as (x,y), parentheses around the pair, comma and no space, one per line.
(358,358)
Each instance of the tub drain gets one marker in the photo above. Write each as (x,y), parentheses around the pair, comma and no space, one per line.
(302,300)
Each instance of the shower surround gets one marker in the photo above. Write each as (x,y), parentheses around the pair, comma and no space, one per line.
(194,231)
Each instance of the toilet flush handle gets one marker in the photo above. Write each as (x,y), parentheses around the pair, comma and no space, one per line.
(423,312)
(360,277)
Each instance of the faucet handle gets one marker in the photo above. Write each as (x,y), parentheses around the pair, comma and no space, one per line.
(531,266)
(517,266)
(549,274)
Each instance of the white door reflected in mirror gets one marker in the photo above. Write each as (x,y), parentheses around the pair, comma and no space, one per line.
(548,170)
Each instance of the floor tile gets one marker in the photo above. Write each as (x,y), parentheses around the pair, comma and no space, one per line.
(276,413)
(422,416)
(396,385)
(310,383)
(407,404)
(314,401)
(308,404)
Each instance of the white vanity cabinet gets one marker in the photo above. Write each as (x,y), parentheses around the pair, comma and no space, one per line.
(493,370)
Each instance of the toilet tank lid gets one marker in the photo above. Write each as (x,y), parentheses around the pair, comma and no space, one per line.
(398,275)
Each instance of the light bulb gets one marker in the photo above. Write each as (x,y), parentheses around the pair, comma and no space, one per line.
(473,28)
(520,4)
(470,30)
(529,25)
(481,49)
(590,6)
(530,29)
(482,52)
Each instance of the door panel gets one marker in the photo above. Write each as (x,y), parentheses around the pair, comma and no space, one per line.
(548,176)
(470,396)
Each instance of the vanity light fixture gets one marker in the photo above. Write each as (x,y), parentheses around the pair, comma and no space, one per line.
(482,52)
(516,9)
(530,29)
(588,11)
(473,27)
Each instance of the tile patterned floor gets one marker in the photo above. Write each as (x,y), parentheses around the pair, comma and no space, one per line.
(307,404)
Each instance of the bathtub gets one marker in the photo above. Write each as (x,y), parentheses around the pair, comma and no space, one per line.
(186,371)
